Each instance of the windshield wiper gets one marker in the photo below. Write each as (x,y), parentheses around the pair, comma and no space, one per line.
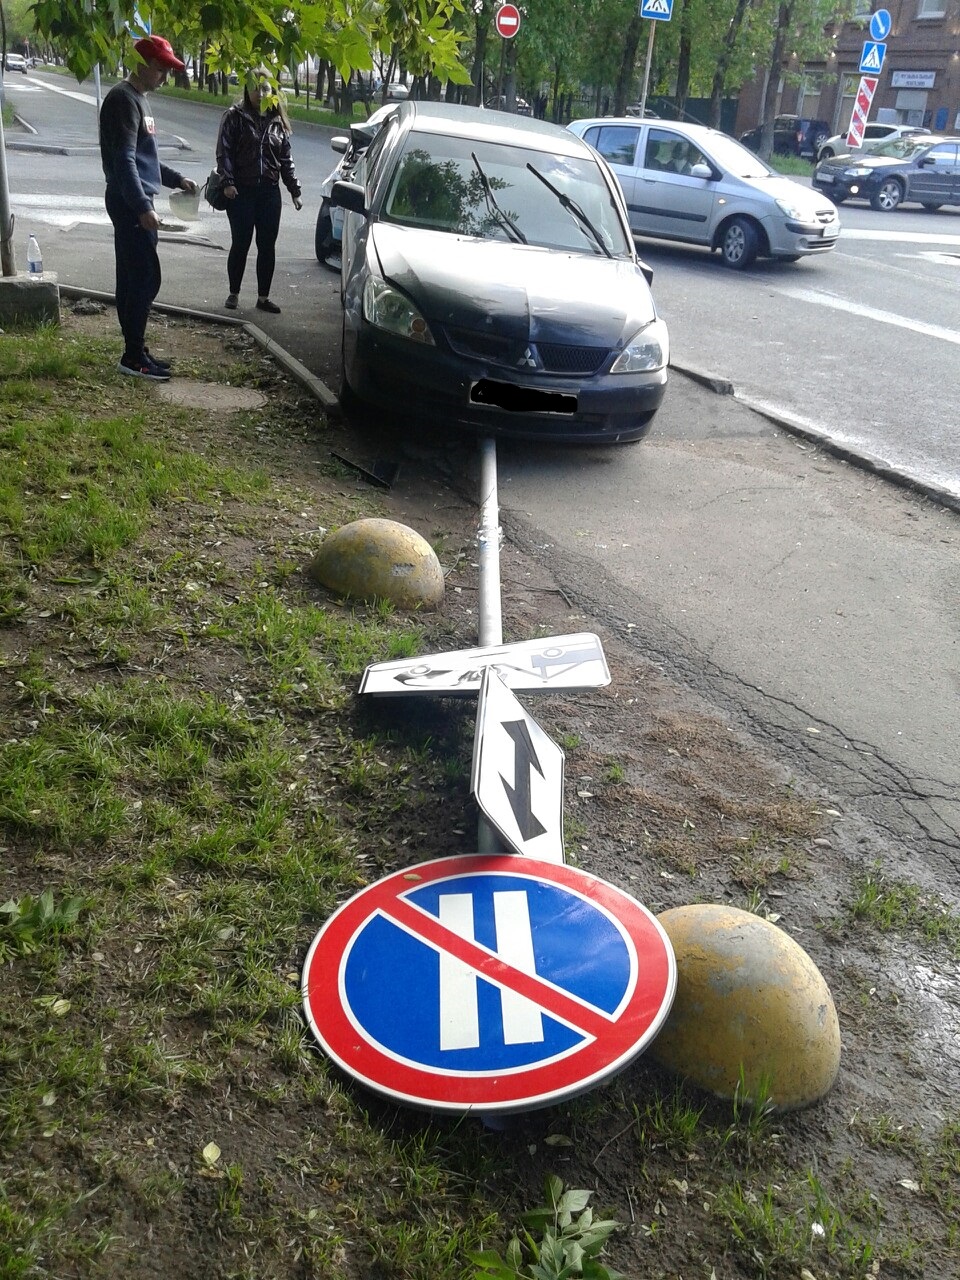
(508,224)
(572,207)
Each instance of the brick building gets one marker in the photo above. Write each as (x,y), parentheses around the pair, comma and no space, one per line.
(919,83)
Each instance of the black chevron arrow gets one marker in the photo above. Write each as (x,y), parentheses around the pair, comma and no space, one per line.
(525,759)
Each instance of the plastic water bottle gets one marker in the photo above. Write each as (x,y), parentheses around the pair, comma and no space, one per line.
(34,260)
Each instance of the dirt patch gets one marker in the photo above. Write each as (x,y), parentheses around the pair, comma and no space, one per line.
(665,797)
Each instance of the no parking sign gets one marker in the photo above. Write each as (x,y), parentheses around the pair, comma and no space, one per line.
(488,983)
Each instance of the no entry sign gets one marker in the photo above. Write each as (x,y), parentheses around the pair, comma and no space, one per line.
(487,982)
(507,21)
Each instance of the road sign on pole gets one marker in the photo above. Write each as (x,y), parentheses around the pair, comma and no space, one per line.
(517,777)
(507,21)
(881,24)
(861,110)
(568,664)
(488,983)
(658,10)
(871,58)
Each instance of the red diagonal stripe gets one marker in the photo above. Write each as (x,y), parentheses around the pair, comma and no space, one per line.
(586,1018)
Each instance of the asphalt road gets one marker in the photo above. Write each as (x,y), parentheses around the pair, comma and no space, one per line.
(810,600)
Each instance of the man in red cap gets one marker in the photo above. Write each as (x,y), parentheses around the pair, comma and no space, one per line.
(131,163)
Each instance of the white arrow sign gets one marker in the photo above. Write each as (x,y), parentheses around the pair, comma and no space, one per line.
(517,776)
(570,664)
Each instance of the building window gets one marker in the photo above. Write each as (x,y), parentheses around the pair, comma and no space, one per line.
(930,8)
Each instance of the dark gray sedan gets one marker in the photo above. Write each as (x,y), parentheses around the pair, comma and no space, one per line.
(490,282)
(924,169)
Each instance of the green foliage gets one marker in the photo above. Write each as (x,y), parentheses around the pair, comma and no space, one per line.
(236,36)
(571,1241)
(26,924)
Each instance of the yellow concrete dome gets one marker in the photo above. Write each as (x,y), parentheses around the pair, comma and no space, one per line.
(376,559)
(750,998)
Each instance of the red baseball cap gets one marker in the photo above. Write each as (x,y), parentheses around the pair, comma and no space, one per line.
(157,49)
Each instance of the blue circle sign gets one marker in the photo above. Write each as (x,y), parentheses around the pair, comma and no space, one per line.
(490,983)
(880,24)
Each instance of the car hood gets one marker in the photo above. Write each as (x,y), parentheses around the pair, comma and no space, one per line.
(805,201)
(840,163)
(515,290)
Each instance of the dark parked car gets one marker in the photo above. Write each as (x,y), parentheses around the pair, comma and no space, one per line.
(490,282)
(792,136)
(924,169)
(330,220)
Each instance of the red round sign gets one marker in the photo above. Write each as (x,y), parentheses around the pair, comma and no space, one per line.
(493,983)
(508,21)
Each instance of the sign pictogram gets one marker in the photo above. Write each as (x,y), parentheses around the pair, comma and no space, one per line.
(881,24)
(861,110)
(871,58)
(488,983)
(658,10)
(507,21)
(517,777)
(570,664)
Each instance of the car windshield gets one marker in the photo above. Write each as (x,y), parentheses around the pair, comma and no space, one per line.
(735,158)
(904,148)
(477,187)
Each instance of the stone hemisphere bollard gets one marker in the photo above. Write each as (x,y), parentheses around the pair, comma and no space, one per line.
(749,999)
(376,559)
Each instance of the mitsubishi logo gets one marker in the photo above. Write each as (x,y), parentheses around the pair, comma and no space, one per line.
(528,360)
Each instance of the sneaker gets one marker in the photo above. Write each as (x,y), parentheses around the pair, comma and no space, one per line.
(161,364)
(231,301)
(143,368)
(264,304)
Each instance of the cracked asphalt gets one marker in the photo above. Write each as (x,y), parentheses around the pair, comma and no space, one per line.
(816,603)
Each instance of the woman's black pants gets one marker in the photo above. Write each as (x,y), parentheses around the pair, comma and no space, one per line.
(254,209)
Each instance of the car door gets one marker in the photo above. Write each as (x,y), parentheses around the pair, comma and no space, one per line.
(618,143)
(670,201)
(935,179)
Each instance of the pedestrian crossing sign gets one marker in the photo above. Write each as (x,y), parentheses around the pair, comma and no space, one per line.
(871,57)
(658,10)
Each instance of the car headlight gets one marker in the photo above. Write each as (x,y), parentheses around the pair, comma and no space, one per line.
(647,351)
(859,172)
(793,211)
(387,308)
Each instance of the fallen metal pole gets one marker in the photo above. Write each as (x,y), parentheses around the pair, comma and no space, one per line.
(490,609)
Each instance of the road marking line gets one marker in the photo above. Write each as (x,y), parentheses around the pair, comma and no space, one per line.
(822,299)
(899,237)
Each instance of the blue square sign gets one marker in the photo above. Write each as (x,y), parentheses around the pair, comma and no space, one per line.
(871,57)
(659,10)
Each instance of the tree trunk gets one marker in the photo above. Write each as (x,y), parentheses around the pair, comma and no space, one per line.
(723,62)
(773,80)
(627,64)
(683,63)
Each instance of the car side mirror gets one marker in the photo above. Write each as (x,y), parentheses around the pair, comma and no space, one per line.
(927,160)
(339,144)
(349,195)
(701,170)
(646,271)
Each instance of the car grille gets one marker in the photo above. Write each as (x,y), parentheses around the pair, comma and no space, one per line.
(546,357)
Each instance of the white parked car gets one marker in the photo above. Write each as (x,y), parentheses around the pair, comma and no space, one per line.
(690,183)
(16,62)
(872,135)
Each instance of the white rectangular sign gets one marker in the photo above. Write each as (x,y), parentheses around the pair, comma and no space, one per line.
(555,664)
(517,775)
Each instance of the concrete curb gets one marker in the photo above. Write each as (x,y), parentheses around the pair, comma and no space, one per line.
(309,381)
(795,426)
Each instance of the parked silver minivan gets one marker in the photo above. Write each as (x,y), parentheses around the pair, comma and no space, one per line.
(687,182)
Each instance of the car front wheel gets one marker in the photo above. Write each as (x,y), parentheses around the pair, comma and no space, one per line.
(739,244)
(827,153)
(887,197)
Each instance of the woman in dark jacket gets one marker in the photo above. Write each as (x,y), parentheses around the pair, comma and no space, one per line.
(253,154)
